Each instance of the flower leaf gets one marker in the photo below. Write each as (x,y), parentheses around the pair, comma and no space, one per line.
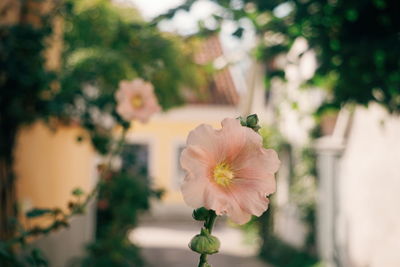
(36,212)
(77,192)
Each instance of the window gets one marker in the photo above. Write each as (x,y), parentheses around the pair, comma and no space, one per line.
(135,159)
(179,173)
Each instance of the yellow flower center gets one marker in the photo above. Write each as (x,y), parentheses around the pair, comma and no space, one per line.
(223,175)
(137,101)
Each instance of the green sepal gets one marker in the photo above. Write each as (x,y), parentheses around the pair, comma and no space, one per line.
(200,214)
(252,120)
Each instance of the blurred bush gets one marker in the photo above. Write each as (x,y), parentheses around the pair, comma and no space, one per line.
(105,43)
(122,197)
(355,41)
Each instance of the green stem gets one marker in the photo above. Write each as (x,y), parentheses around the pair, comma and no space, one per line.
(117,148)
(203,260)
(208,224)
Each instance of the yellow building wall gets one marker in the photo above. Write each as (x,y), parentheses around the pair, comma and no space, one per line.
(50,164)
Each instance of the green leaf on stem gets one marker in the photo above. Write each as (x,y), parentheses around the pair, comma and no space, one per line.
(77,192)
(36,212)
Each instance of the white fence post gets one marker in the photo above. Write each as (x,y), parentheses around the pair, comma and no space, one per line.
(328,151)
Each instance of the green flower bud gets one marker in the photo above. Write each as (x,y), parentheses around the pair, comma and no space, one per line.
(200,214)
(204,243)
(242,121)
(252,120)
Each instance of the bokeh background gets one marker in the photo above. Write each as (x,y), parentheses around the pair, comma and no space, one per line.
(323,76)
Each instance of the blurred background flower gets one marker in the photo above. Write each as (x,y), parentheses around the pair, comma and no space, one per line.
(136,100)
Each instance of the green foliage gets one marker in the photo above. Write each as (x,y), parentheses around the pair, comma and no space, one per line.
(105,44)
(113,251)
(104,47)
(272,138)
(77,192)
(126,196)
(23,80)
(36,258)
(24,85)
(356,42)
(31,257)
(121,198)
(38,212)
(282,255)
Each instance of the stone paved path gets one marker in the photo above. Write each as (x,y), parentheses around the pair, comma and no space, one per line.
(169,257)
(164,244)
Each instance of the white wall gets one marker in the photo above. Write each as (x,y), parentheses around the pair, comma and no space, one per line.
(67,245)
(368,191)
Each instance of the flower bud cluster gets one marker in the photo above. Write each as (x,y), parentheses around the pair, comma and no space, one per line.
(251,121)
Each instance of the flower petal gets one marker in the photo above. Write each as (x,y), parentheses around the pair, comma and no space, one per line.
(237,214)
(251,195)
(194,161)
(193,191)
(208,139)
(233,138)
(256,162)
(215,199)
(125,110)
(224,202)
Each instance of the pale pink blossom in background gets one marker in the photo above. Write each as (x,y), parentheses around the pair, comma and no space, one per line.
(228,171)
(136,100)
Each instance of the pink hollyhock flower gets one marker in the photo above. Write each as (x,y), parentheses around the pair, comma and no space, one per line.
(136,100)
(228,171)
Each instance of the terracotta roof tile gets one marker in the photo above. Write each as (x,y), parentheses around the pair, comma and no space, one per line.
(222,89)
